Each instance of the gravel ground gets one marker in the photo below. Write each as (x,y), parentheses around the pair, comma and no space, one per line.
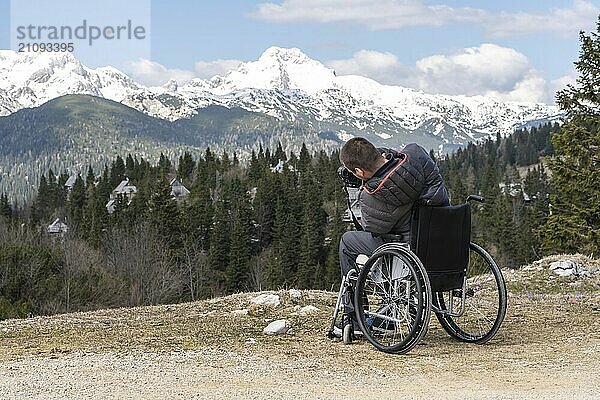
(548,348)
(219,374)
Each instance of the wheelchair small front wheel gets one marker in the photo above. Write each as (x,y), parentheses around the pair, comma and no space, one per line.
(347,333)
(393,299)
(485,300)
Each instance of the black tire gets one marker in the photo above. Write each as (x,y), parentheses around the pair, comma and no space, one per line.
(485,303)
(393,299)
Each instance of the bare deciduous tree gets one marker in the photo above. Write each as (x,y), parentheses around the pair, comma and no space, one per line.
(140,257)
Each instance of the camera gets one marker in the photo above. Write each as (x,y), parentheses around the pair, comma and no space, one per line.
(348,177)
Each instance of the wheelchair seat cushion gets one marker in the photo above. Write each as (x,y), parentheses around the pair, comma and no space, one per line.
(440,237)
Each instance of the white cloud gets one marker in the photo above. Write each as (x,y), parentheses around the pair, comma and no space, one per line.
(531,88)
(473,70)
(382,67)
(383,14)
(560,21)
(396,14)
(152,73)
(488,69)
(208,69)
(561,83)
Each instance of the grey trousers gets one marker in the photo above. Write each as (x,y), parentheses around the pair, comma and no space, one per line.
(354,243)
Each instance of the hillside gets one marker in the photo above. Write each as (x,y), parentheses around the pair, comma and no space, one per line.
(548,347)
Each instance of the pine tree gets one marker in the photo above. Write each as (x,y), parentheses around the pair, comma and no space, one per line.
(95,219)
(337,228)
(164,164)
(117,172)
(264,209)
(130,167)
(254,168)
(293,222)
(206,172)
(5,208)
(185,167)
(574,221)
(225,163)
(311,241)
(164,215)
(76,203)
(41,204)
(104,185)
(218,255)
(53,199)
(304,159)
(199,218)
(432,155)
(276,266)
(237,271)
(279,153)
(90,178)
(224,202)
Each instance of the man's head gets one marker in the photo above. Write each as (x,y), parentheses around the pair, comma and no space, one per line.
(361,158)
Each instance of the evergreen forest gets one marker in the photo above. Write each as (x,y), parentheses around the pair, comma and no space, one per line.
(273,223)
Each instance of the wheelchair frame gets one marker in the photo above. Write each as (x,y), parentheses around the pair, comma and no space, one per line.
(350,298)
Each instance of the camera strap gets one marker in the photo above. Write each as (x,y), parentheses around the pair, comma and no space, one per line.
(357,224)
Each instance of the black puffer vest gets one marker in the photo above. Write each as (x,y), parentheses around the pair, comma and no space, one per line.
(387,198)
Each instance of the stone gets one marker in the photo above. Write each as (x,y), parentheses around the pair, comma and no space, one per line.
(567,268)
(278,327)
(295,293)
(308,310)
(266,300)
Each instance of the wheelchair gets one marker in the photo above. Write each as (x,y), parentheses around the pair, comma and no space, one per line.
(392,294)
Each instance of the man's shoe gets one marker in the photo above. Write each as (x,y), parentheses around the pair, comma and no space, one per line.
(380,325)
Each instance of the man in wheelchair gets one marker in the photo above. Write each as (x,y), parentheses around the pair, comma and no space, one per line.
(411,255)
(391,182)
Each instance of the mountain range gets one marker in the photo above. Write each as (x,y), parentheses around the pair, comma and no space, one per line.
(283,83)
(56,112)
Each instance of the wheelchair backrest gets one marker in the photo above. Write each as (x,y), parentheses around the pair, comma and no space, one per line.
(440,237)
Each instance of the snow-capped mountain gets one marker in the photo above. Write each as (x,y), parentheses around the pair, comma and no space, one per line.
(31,79)
(282,83)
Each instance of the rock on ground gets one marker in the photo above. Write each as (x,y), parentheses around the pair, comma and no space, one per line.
(266,300)
(567,268)
(308,310)
(278,327)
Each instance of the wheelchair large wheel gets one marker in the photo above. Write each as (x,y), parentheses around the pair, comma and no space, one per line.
(485,300)
(393,299)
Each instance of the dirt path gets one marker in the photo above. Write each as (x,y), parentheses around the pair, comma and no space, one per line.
(548,348)
(223,375)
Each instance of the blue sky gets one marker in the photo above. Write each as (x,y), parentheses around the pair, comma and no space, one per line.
(517,50)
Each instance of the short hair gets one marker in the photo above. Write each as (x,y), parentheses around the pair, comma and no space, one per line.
(358,152)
